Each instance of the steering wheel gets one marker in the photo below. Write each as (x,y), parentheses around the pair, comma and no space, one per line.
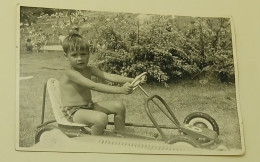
(138,80)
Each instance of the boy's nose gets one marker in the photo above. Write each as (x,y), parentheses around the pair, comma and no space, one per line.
(79,58)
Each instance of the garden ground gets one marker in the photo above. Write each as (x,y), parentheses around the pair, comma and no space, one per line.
(218,100)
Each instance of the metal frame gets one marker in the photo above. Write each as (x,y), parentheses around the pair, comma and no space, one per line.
(169,115)
(166,111)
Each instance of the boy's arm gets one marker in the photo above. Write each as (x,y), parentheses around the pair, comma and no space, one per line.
(78,78)
(110,77)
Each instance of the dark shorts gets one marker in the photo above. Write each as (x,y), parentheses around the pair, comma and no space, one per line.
(69,111)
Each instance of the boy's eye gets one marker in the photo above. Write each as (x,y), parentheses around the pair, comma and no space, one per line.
(83,54)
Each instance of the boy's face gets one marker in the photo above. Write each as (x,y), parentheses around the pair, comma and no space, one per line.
(78,59)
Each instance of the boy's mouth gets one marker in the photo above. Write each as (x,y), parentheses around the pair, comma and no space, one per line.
(81,63)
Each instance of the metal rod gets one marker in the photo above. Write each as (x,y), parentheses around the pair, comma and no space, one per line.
(146,125)
(175,121)
(143,91)
(46,123)
(43,102)
(159,129)
(172,117)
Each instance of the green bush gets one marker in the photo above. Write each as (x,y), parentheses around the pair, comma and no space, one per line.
(207,43)
(168,51)
(160,64)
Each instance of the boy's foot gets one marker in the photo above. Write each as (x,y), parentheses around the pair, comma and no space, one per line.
(112,133)
(120,135)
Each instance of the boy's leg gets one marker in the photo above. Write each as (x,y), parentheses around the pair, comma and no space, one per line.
(97,120)
(113,107)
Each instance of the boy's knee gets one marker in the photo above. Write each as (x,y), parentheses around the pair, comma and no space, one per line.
(120,106)
(101,120)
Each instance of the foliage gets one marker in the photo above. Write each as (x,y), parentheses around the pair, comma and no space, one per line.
(30,14)
(167,47)
(207,43)
(27,15)
(167,51)
(134,63)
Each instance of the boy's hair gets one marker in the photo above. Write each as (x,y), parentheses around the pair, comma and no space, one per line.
(74,42)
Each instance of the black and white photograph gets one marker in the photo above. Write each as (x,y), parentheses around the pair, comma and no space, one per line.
(125,82)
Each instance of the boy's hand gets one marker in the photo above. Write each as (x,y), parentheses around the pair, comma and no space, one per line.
(127,88)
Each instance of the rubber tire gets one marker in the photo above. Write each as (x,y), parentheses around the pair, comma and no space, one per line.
(205,116)
(184,138)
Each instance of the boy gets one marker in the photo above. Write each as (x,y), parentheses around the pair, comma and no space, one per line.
(76,86)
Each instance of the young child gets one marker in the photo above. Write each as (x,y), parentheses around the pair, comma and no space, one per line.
(28,45)
(76,86)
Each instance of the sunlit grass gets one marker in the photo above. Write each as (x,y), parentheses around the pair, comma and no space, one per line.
(217,100)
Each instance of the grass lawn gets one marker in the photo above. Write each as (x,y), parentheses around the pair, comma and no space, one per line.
(217,100)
